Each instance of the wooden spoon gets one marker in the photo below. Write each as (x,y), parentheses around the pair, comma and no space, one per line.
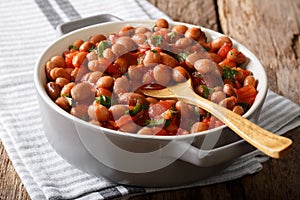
(271,144)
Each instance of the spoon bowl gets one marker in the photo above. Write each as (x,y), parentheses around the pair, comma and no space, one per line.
(269,143)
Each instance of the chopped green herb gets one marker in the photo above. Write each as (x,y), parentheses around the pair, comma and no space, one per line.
(102,46)
(244,105)
(181,56)
(138,108)
(173,111)
(70,100)
(207,91)
(228,73)
(172,36)
(168,122)
(157,40)
(155,122)
(73,47)
(91,49)
(140,60)
(154,50)
(104,100)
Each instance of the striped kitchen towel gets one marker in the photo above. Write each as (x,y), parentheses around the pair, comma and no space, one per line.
(27,27)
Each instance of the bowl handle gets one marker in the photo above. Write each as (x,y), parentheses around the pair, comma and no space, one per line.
(67,27)
(208,158)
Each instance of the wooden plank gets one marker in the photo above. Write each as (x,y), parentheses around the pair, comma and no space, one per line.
(271,30)
(200,12)
(11,186)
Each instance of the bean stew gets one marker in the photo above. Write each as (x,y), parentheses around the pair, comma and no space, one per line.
(99,80)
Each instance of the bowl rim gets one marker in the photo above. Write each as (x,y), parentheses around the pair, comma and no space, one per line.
(40,88)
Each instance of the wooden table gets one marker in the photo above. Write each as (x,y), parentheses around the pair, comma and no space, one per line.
(269,28)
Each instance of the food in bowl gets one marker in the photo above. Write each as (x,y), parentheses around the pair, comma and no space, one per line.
(99,80)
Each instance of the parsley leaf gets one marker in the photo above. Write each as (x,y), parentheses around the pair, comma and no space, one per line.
(157,40)
(172,36)
(138,108)
(181,56)
(73,47)
(228,73)
(207,91)
(102,46)
(104,100)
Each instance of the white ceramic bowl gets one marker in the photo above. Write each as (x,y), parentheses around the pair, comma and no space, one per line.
(141,160)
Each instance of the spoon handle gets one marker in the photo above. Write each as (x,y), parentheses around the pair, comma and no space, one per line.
(271,144)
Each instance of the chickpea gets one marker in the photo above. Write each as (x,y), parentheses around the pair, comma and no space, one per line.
(139,38)
(217,43)
(236,56)
(53,90)
(49,66)
(66,90)
(168,60)
(109,55)
(118,49)
(162,23)
(122,64)
(182,107)
(69,70)
(135,72)
(228,102)
(126,124)
(240,75)
(98,65)
(77,43)
(214,57)
(204,66)
(61,81)
(162,74)
(126,31)
(250,80)
(145,131)
(97,38)
(58,61)
(238,110)
(59,72)
(85,46)
(127,42)
(92,77)
(228,90)
(131,98)
(80,111)
(179,74)
(142,30)
(217,96)
(191,59)
(151,100)
(92,56)
(183,42)
(105,82)
(121,85)
(118,110)
(78,73)
(104,92)
(198,127)
(180,29)
(148,77)
(193,33)
(63,103)
(82,92)
(151,57)
(98,112)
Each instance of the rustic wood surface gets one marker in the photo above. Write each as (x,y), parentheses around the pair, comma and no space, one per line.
(270,29)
